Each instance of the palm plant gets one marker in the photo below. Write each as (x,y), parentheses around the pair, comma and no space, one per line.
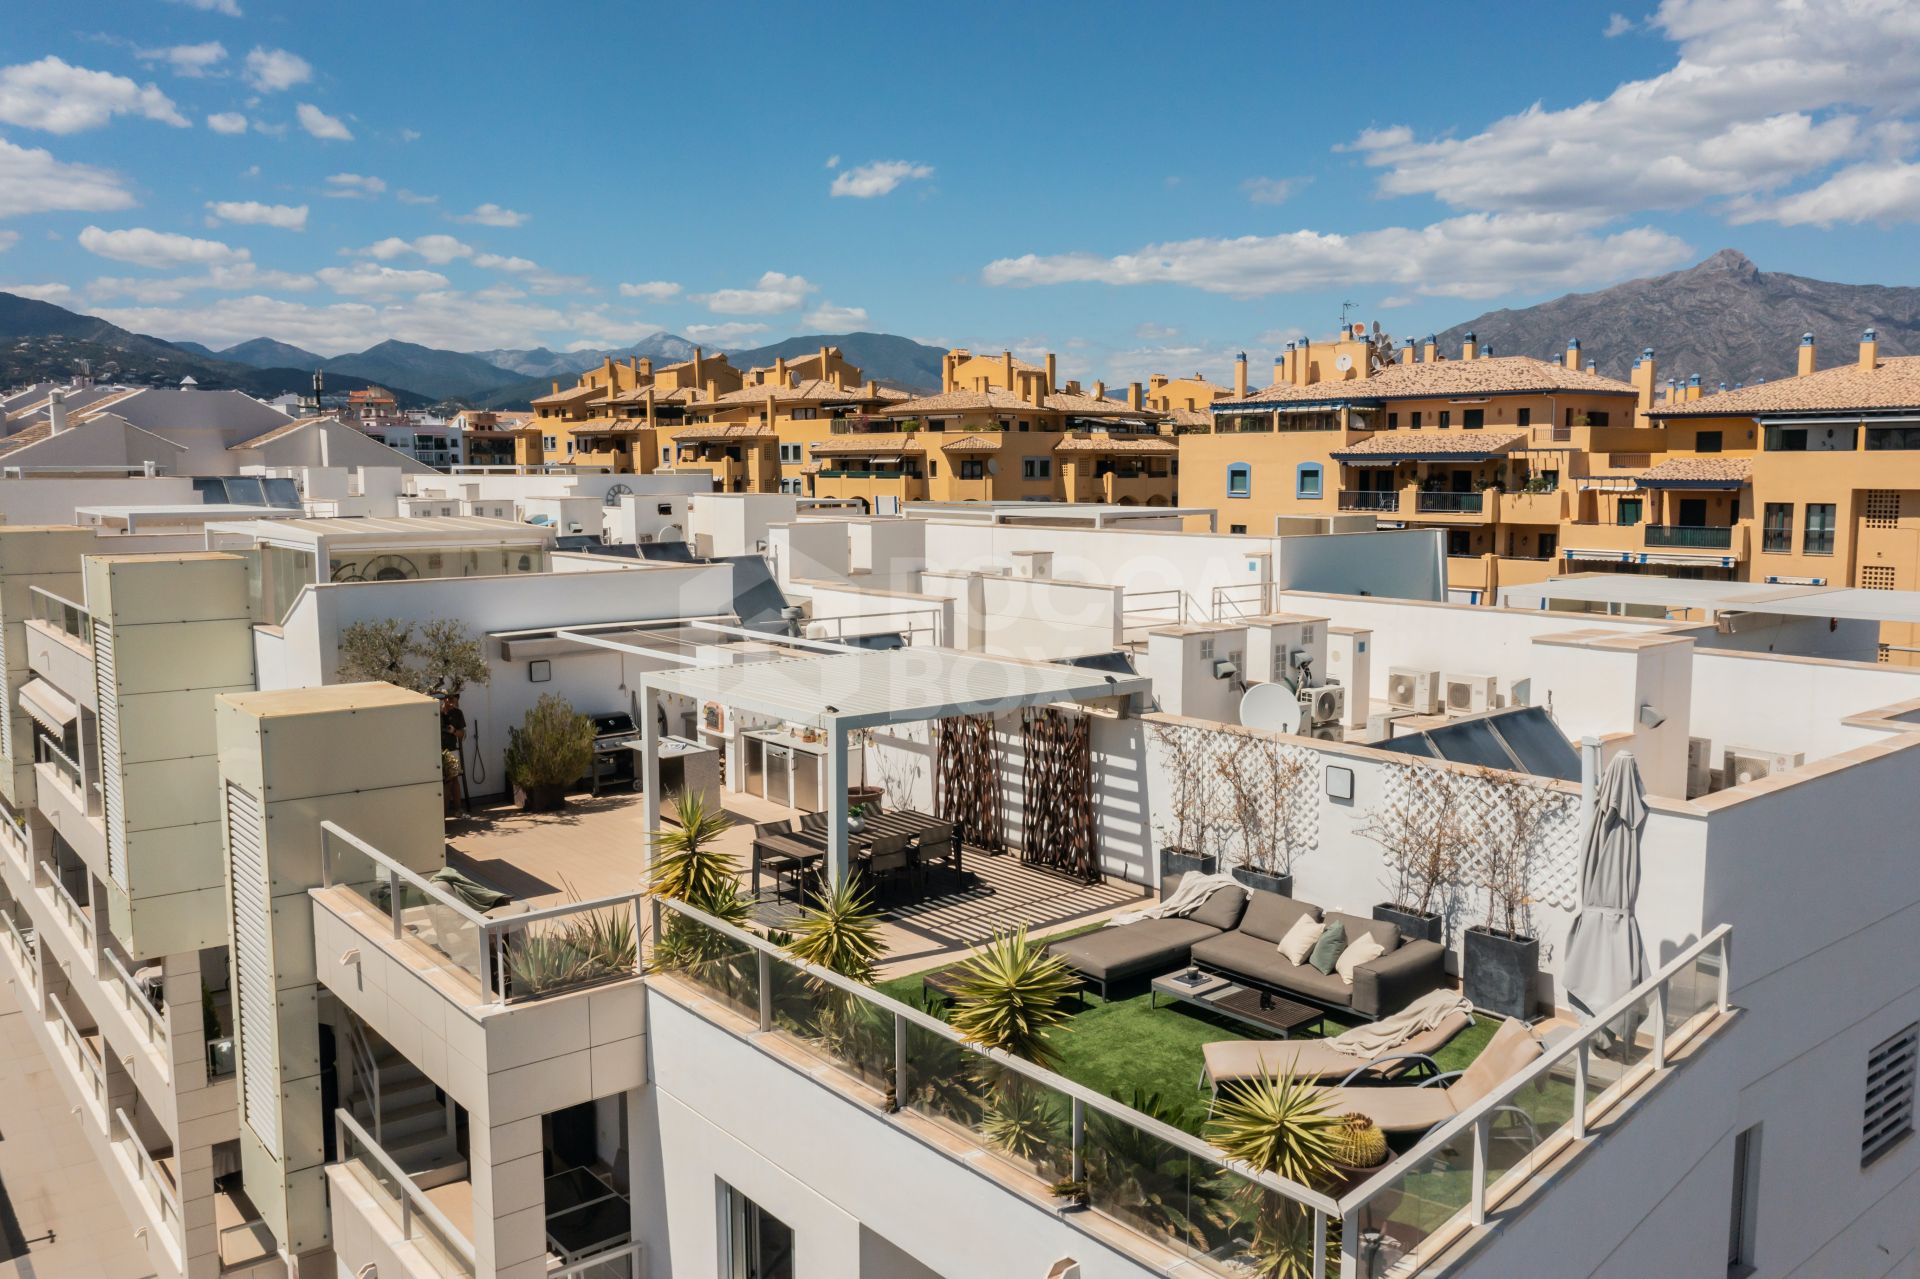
(1009,997)
(1278,1124)
(1160,1186)
(688,865)
(840,932)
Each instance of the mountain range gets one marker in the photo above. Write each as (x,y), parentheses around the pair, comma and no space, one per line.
(1724,319)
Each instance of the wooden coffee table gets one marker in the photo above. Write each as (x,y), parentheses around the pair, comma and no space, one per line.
(1250,1007)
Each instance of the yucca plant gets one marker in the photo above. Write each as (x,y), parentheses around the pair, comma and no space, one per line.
(1023,1120)
(1278,1124)
(840,931)
(688,864)
(1170,1191)
(1009,997)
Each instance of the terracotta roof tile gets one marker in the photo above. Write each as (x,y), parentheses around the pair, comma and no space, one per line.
(1697,470)
(1446,379)
(1117,444)
(1414,445)
(726,431)
(962,401)
(871,442)
(1893,383)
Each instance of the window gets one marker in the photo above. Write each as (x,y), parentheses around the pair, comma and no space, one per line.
(1393,421)
(1706,442)
(549,443)
(756,1244)
(1889,1105)
(1036,468)
(1239,479)
(1413,420)
(1525,417)
(1787,439)
(1596,417)
(974,469)
(790,453)
(1776,530)
(805,415)
(933,469)
(1629,511)
(1236,528)
(1819,534)
(1746,1202)
(663,508)
(1446,418)
(1307,481)
(1459,541)
(1472,419)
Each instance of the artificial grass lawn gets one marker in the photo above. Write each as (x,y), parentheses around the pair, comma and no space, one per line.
(1121,1046)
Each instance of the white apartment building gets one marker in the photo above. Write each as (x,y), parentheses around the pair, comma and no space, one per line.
(384,1079)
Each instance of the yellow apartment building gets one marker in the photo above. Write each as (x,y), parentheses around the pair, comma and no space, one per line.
(1502,452)
(614,415)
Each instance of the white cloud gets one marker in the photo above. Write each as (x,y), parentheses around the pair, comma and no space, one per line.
(655,290)
(275,70)
(62,98)
(829,316)
(1476,255)
(354,186)
(189,60)
(409,135)
(493,215)
(878,178)
(728,334)
(498,262)
(321,125)
(39,292)
(833,161)
(8,239)
(437,249)
(1272,190)
(1877,191)
(367,279)
(774,292)
(223,277)
(1618,24)
(1148,331)
(288,217)
(228,122)
(414,197)
(228,7)
(32,181)
(144,247)
(1759,95)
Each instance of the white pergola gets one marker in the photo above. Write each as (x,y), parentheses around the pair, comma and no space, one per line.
(843,691)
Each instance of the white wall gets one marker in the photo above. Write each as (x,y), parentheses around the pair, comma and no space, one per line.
(36,500)
(1791,704)
(737,523)
(806,551)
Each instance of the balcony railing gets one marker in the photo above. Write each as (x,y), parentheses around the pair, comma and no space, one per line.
(24,946)
(530,956)
(151,1021)
(62,614)
(629,1262)
(69,907)
(447,1252)
(155,1183)
(1143,610)
(1395,1223)
(1451,503)
(93,1077)
(45,752)
(1716,539)
(1369,500)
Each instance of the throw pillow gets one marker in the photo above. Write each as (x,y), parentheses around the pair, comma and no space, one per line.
(1300,939)
(1363,951)
(1326,951)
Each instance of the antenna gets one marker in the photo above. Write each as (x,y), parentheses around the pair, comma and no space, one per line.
(1344,308)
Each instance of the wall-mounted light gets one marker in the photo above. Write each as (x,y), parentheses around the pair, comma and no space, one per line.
(539,671)
(1339,782)
(1650,717)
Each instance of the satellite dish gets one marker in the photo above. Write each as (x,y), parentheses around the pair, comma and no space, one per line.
(1344,363)
(1274,707)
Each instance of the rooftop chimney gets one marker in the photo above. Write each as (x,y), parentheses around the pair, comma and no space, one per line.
(1431,351)
(1643,376)
(1693,387)
(1053,370)
(1099,390)
(1807,355)
(1869,351)
(1470,347)
(1593,366)
(1573,353)
(1133,396)
(1407,353)
(57,411)
(1240,377)
(1006,368)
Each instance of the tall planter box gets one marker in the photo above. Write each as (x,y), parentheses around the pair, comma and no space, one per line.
(1265,881)
(1184,861)
(1499,972)
(1419,925)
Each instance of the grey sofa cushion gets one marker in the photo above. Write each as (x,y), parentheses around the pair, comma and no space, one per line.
(1251,957)
(1357,927)
(1151,945)
(1269,916)
(1221,910)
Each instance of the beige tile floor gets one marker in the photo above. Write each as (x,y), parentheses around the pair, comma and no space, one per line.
(51,1177)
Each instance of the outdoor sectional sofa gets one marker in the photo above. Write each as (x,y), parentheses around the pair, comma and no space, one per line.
(1236,933)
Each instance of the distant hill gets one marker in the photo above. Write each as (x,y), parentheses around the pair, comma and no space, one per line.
(436,374)
(265,353)
(540,362)
(1724,319)
(885,357)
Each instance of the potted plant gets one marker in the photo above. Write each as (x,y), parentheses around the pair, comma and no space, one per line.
(550,751)
(1423,836)
(1278,1124)
(1190,798)
(1262,779)
(1500,962)
(1357,1148)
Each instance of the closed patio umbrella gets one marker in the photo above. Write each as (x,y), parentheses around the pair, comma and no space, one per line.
(1605,958)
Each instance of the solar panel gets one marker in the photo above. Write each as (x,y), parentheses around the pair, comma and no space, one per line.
(1521,740)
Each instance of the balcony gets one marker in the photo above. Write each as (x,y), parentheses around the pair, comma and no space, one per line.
(1682,535)
(23,948)
(82,1053)
(130,996)
(153,1176)
(427,1242)
(77,919)
(1531,508)
(1450,503)
(1369,500)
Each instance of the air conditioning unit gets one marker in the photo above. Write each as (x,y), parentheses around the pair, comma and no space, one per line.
(1413,690)
(1225,670)
(1699,766)
(1334,732)
(1326,704)
(1745,765)
(1470,694)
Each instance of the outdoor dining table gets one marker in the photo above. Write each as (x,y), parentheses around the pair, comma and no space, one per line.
(807,843)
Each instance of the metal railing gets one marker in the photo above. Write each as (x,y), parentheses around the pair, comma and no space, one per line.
(628,1262)
(1243,599)
(544,952)
(1393,1223)
(62,614)
(45,752)
(1066,1131)
(1451,503)
(914,631)
(70,907)
(25,947)
(152,1178)
(1718,539)
(1369,499)
(13,834)
(140,1010)
(93,1076)
(447,1252)
(1143,609)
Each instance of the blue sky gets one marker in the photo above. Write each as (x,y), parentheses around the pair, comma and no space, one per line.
(1142,188)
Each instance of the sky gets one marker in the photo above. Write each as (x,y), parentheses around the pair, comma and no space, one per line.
(1141,188)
